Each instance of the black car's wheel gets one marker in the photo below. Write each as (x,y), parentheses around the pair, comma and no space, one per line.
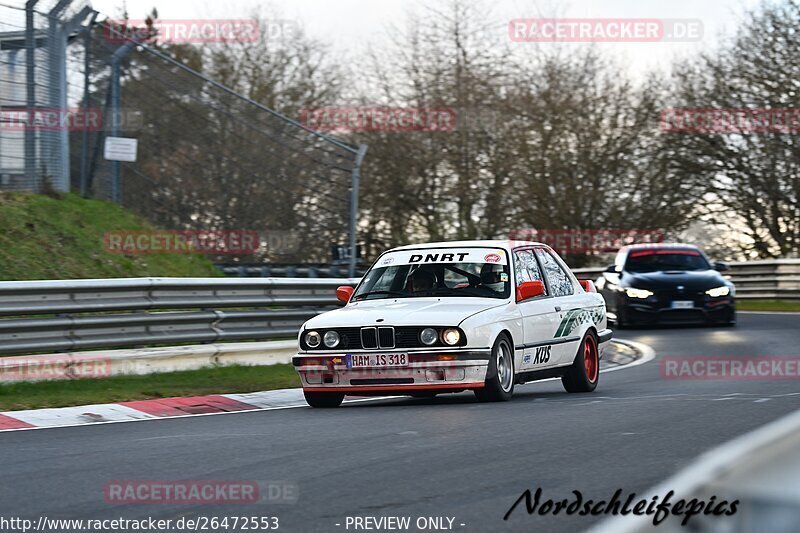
(499,386)
(584,373)
(324,399)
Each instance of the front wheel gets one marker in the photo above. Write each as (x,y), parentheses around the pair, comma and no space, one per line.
(499,386)
(584,373)
(324,399)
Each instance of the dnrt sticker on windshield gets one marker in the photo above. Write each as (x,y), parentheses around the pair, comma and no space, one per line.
(445,255)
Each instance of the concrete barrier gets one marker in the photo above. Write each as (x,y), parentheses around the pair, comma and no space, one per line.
(140,361)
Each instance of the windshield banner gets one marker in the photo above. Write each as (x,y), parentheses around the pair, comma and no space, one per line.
(444,255)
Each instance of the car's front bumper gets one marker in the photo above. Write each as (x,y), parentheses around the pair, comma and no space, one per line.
(427,372)
(703,311)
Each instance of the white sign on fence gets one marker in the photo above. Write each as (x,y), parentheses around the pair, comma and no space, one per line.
(121,149)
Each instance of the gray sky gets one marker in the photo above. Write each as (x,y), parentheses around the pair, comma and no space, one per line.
(350,25)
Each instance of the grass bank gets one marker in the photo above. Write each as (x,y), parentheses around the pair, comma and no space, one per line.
(61,237)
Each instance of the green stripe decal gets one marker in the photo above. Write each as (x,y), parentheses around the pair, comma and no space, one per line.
(578,316)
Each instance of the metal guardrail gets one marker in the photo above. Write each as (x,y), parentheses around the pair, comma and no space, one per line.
(277,270)
(48,316)
(779,278)
(83,314)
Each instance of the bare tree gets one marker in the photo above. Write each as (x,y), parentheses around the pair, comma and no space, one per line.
(754,173)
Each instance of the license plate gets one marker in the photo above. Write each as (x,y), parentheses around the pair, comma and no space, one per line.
(379,360)
(682,304)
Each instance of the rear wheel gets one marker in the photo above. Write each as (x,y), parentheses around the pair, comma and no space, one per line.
(324,399)
(584,373)
(499,386)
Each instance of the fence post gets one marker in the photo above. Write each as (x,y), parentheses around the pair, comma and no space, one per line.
(30,58)
(57,141)
(116,59)
(362,151)
(87,47)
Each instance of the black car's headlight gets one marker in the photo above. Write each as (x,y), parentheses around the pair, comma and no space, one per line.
(630,292)
(718,292)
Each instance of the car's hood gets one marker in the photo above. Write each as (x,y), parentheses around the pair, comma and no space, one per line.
(668,279)
(405,312)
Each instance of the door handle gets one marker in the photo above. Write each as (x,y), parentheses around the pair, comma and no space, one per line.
(558,308)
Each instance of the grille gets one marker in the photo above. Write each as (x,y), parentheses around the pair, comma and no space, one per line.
(665,297)
(381,337)
(386,337)
(369,338)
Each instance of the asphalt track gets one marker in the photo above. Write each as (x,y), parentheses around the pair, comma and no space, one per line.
(447,457)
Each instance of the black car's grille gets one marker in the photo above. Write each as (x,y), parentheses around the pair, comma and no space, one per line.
(666,297)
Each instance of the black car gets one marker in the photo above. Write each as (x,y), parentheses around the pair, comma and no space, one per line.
(666,283)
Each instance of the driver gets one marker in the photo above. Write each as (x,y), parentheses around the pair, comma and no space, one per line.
(421,281)
(492,276)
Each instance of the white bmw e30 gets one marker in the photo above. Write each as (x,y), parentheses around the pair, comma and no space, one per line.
(455,316)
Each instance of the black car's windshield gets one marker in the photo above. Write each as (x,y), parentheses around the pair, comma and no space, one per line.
(665,259)
(482,274)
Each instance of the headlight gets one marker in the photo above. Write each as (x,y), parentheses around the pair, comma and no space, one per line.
(428,336)
(451,336)
(638,293)
(313,339)
(331,339)
(716,292)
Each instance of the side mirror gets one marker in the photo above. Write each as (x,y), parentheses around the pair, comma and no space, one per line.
(344,293)
(612,269)
(720,266)
(588,285)
(529,289)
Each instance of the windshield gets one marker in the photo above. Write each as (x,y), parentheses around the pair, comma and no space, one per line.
(481,273)
(665,259)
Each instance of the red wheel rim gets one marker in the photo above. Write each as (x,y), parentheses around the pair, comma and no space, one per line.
(590,359)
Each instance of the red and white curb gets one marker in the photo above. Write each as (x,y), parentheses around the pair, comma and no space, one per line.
(150,409)
(202,405)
